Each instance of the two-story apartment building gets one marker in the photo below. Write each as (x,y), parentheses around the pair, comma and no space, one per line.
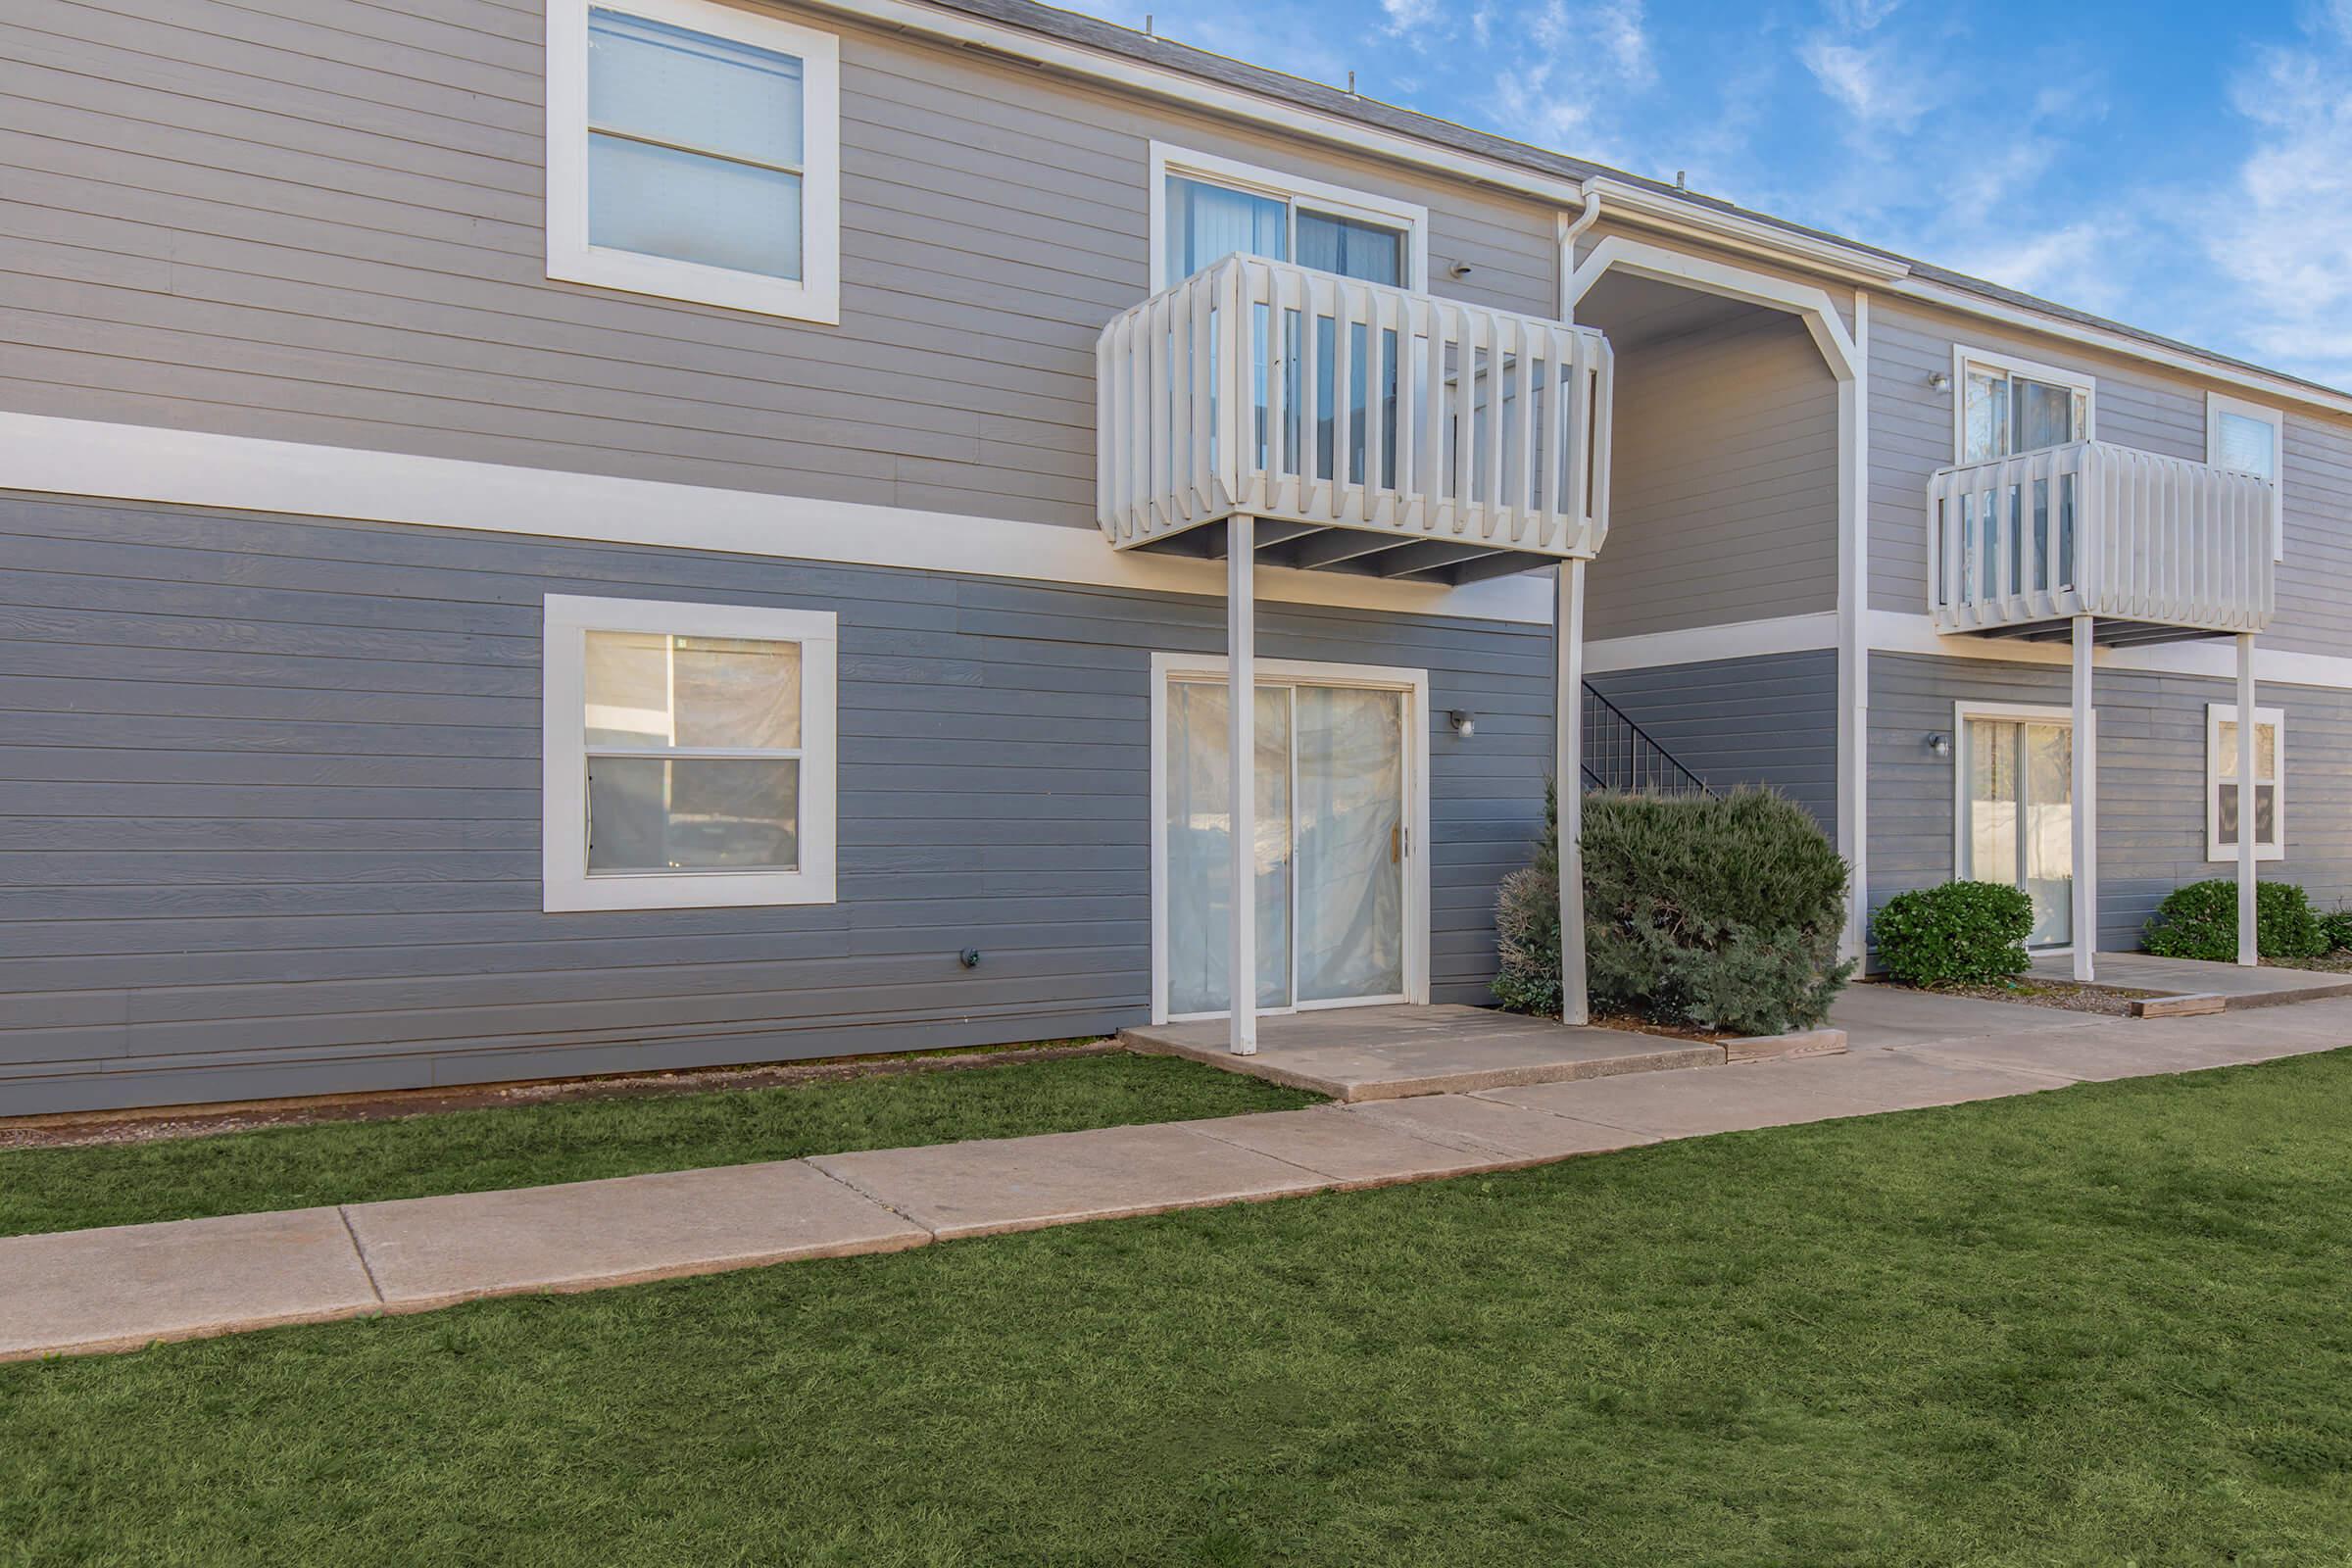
(543,537)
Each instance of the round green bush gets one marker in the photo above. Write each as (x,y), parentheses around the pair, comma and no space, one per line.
(2200,921)
(1719,911)
(1962,933)
(2335,928)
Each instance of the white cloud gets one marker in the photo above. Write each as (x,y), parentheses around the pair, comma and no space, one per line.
(2074,265)
(1410,16)
(1867,83)
(2283,230)
(1860,16)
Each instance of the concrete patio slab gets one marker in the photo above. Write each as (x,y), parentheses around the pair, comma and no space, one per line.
(1018,1184)
(1362,1053)
(431,1251)
(1352,1150)
(1479,1124)
(2263,986)
(1876,1013)
(124,1286)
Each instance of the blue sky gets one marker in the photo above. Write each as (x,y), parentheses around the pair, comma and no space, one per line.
(2186,169)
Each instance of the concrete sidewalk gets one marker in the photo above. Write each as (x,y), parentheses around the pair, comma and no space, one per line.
(127,1285)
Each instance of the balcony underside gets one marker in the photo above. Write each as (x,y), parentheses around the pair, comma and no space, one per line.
(2116,633)
(1357,552)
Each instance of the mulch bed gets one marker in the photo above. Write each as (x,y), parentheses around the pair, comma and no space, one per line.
(2112,1001)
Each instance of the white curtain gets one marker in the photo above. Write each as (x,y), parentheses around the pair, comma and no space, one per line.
(1208,223)
(1199,830)
(1349,862)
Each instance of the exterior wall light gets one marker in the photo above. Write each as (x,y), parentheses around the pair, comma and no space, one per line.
(1465,722)
(1940,381)
(1940,743)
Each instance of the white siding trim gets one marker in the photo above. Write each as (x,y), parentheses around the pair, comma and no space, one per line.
(565,882)
(1742,638)
(1414,683)
(1660,264)
(246,474)
(571,258)
(1338,200)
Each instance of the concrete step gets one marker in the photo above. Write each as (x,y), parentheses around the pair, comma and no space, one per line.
(1398,1053)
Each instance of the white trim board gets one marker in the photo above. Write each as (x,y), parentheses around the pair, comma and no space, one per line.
(1744,639)
(248,473)
(1898,631)
(1414,683)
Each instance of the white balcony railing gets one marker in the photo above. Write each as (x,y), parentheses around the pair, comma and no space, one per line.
(1275,391)
(2097,529)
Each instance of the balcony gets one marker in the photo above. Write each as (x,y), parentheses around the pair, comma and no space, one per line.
(1370,429)
(2156,548)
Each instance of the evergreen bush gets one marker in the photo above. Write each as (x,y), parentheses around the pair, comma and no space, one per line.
(2200,921)
(2335,927)
(1721,913)
(1962,933)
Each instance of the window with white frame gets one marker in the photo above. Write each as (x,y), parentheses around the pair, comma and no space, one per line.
(2223,798)
(2008,404)
(2250,439)
(688,755)
(1205,208)
(692,151)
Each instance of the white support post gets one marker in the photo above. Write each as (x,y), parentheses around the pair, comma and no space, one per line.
(1241,678)
(2249,951)
(1568,790)
(2086,809)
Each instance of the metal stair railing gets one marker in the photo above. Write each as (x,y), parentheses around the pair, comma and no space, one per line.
(1621,755)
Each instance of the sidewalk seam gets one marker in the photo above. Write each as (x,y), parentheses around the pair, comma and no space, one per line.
(876,1198)
(343,1213)
(1282,1160)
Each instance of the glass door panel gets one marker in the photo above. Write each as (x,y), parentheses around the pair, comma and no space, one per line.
(1351,842)
(2020,826)
(1330,820)
(1199,830)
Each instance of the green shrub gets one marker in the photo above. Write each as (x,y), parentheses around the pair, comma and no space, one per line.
(1959,934)
(1721,913)
(2200,921)
(2335,929)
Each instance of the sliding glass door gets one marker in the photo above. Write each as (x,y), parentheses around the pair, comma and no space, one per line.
(2017,823)
(1331,845)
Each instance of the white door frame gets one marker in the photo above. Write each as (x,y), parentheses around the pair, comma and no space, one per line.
(2015,712)
(1414,684)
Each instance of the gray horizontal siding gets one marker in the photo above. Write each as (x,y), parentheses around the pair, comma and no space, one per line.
(323,222)
(2139,406)
(1723,481)
(270,811)
(1771,722)
(2151,780)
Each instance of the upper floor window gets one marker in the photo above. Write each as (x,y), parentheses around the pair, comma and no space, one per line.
(689,755)
(1205,208)
(692,151)
(2251,439)
(2008,404)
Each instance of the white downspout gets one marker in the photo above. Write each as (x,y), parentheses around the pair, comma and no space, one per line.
(1588,214)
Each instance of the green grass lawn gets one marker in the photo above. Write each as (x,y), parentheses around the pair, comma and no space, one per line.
(2099,1325)
(525,1146)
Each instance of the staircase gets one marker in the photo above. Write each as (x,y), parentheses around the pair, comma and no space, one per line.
(1620,756)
